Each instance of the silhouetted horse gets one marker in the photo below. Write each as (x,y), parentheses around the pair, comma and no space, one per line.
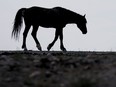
(56,17)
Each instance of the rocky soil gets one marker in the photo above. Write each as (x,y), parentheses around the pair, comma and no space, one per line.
(57,69)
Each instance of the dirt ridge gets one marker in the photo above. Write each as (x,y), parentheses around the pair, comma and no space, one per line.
(57,69)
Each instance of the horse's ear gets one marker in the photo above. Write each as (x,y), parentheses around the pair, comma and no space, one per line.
(84,15)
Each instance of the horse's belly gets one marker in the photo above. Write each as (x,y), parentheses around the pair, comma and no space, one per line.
(48,23)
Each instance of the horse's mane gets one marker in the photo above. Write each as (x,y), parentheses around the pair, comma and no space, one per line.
(66,10)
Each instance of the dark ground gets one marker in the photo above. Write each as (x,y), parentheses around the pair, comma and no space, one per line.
(57,69)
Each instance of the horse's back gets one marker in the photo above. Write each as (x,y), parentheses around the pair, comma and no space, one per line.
(37,13)
(47,11)
(45,17)
(36,10)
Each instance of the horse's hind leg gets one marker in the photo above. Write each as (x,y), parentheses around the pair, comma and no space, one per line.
(34,33)
(55,39)
(24,37)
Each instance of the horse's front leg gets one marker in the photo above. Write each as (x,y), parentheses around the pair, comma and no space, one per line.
(34,33)
(24,37)
(61,41)
(55,39)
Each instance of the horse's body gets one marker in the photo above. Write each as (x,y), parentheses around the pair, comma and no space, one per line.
(56,18)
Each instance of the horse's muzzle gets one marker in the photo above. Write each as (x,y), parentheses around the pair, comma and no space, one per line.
(84,32)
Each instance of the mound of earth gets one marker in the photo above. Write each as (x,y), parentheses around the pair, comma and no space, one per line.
(57,69)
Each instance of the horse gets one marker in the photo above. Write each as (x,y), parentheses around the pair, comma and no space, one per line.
(56,17)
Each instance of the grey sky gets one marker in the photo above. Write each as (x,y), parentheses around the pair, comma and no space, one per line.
(100,14)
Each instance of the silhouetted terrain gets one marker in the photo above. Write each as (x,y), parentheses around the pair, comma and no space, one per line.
(57,69)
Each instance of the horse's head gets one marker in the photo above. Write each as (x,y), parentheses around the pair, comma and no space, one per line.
(82,24)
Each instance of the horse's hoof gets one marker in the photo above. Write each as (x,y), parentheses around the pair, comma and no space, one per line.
(63,49)
(25,49)
(49,47)
(39,47)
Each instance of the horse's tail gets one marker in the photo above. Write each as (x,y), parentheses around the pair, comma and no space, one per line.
(18,23)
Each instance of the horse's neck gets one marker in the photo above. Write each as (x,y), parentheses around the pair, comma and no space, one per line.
(74,17)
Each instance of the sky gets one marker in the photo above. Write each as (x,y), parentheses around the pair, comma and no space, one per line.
(101,25)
